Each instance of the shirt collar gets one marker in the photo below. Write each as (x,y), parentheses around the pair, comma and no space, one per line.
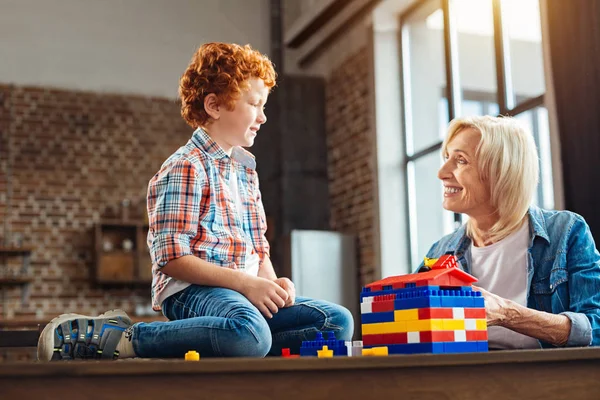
(204,142)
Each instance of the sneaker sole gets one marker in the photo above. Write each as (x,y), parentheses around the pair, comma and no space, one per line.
(45,347)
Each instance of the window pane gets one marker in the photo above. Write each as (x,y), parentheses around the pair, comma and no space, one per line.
(474,24)
(424,75)
(521,20)
(537,120)
(428,220)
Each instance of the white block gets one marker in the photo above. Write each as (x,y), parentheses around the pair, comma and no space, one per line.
(460,336)
(414,337)
(470,324)
(366,308)
(357,347)
(458,313)
(348,345)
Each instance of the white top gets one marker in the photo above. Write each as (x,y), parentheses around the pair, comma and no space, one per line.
(501,268)
(252,259)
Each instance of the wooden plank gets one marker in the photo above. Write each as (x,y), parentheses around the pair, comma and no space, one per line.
(339,24)
(552,374)
(311,21)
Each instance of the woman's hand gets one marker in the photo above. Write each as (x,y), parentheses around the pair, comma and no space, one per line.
(497,308)
(289,287)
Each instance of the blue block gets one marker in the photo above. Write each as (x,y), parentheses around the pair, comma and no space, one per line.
(482,346)
(478,302)
(423,291)
(458,301)
(373,318)
(366,292)
(420,302)
(310,347)
(461,347)
(415,348)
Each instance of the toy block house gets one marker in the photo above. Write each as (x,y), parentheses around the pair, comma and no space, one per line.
(436,311)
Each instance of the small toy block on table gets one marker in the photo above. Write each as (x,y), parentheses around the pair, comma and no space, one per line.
(311,347)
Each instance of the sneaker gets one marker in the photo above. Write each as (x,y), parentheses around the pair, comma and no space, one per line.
(75,336)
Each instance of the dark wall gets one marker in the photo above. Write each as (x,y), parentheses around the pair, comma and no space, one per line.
(291,155)
(574,38)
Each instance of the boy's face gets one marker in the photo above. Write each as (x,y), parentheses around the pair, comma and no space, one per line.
(240,126)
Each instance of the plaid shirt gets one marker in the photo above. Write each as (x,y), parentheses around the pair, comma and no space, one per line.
(192,211)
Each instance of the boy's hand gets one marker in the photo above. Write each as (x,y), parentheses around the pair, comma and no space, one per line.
(265,295)
(289,287)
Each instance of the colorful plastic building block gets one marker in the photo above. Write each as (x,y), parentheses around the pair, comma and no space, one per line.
(285,353)
(436,311)
(192,355)
(375,351)
(354,349)
(325,353)
(310,347)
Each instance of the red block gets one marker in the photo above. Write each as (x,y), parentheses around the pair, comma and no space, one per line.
(384,297)
(477,335)
(439,313)
(436,336)
(285,352)
(382,306)
(474,313)
(385,338)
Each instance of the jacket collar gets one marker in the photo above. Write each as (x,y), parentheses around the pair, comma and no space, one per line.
(459,241)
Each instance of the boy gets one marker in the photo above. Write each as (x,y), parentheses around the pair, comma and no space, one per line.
(212,276)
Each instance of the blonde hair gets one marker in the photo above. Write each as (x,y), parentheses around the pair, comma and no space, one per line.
(508,161)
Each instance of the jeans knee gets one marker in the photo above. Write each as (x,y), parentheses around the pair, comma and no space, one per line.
(343,321)
(252,337)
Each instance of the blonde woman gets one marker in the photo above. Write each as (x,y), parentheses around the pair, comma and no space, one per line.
(538,270)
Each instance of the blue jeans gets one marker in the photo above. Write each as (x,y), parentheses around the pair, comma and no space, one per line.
(219,322)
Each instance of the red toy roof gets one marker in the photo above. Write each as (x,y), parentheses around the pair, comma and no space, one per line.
(442,273)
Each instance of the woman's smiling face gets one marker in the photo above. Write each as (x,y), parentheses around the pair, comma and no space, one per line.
(464,190)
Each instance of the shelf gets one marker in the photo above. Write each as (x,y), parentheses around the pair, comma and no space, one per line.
(15,280)
(117,252)
(123,223)
(15,251)
(137,282)
(118,266)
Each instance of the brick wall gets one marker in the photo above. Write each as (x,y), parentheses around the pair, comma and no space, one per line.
(74,157)
(350,156)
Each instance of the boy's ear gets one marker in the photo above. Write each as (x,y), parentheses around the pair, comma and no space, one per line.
(211,106)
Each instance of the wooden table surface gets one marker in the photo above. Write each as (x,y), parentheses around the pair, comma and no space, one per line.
(535,374)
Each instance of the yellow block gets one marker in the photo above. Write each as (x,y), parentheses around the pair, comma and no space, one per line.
(481,324)
(429,262)
(454,324)
(406,315)
(383,327)
(192,355)
(325,353)
(425,325)
(421,325)
(375,351)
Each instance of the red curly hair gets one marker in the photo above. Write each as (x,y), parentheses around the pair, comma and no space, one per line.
(222,69)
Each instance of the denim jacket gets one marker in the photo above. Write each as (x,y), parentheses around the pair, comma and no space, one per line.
(563,270)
